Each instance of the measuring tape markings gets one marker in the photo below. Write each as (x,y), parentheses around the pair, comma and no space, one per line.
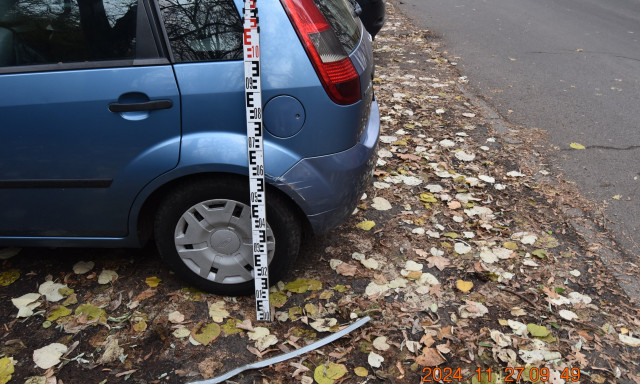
(255,147)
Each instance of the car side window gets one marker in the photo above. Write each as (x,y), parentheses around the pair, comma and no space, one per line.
(203,30)
(36,32)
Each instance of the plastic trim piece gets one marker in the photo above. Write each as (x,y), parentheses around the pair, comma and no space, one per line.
(287,356)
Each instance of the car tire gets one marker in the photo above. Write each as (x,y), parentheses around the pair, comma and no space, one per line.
(203,232)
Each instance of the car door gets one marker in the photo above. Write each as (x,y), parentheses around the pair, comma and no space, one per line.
(89,114)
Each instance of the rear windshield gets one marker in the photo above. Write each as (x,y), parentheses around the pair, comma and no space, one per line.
(339,13)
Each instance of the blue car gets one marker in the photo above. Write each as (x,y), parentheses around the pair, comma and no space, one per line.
(123,122)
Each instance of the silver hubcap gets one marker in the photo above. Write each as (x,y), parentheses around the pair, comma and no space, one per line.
(213,239)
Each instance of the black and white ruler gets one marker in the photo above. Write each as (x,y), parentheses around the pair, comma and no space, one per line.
(255,145)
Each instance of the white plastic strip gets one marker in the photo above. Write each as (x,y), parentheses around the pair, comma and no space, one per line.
(255,145)
(280,358)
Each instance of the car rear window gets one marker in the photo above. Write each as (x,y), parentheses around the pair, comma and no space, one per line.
(339,13)
(204,30)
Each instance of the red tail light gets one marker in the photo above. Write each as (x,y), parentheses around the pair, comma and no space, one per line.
(334,67)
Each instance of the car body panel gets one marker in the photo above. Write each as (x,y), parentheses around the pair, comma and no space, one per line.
(68,165)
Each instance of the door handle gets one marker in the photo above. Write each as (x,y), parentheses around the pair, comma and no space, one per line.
(152,105)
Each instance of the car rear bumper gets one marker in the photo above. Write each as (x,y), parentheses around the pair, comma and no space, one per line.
(327,188)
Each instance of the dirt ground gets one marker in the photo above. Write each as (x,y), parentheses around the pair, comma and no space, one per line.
(460,252)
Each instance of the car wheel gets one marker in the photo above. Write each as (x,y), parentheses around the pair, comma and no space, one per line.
(203,232)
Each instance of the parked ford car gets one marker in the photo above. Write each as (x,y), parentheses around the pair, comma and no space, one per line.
(123,122)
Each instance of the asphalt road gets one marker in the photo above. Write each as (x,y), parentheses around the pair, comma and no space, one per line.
(570,67)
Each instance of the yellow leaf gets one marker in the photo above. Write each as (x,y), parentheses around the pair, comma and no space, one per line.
(207,333)
(503,322)
(140,326)
(366,225)
(510,245)
(303,285)
(326,295)
(153,281)
(328,374)
(427,198)
(59,312)
(6,369)
(9,277)
(231,327)
(616,197)
(361,371)
(577,146)
(464,286)
(92,312)
(278,299)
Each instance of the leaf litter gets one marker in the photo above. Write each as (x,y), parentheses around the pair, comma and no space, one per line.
(448,262)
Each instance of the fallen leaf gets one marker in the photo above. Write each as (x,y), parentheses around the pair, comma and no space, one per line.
(381,204)
(540,253)
(462,248)
(438,261)
(26,304)
(265,342)
(153,281)
(51,291)
(278,299)
(258,333)
(577,146)
(181,333)
(463,156)
(6,369)
(329,373)
(303,285)
(366,225)
(59,312)
(346,269)
(48,356)
(430,358)
(112,351)
(217,311)
(92,313)
(464,286)
(537,330)
(207,333)
(517,327)
(632,341)
(9,277)
(176,317)
(380,343)
(361,372)
(472,309)
(140,326)
(107,276)
(370,263)
(567,315)
(208,366)
(374,360)
(82,267)
(324,325)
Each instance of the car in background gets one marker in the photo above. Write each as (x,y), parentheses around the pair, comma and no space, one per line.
(123,121)
(372,15)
